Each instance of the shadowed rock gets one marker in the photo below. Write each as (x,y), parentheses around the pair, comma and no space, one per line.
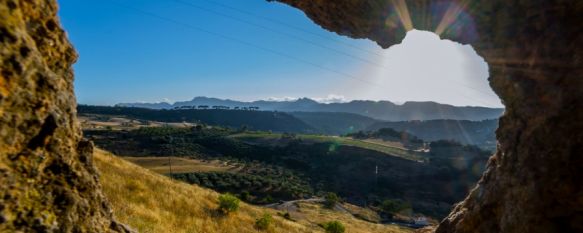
(534,49)
(47,181)
(533,182)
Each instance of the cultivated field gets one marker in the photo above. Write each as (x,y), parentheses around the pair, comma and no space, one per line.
(163,165)
(394,149)
(98,121)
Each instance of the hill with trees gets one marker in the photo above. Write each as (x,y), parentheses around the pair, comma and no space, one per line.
(296,168)
(405,139)
(480,133)
(335,123)
(242,119)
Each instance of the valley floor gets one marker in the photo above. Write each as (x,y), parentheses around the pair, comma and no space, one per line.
(150,202)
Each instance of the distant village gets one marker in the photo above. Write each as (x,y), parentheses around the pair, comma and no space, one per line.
(250,108)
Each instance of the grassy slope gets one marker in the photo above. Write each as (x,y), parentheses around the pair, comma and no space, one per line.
(149,202)
(181,165)
(383,148)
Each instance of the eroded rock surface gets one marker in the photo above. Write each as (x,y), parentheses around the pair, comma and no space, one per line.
(534,49)
(534,182)
(47,181)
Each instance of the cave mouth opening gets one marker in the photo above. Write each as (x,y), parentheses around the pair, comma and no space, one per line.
(424,67)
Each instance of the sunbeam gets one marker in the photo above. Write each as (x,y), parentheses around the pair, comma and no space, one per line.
(403,13)
(450,16)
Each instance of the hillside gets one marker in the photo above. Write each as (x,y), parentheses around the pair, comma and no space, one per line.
(281,167)
(335,123)
(382,110)
(480,133)
(256,120)
(149,202)
(258,138)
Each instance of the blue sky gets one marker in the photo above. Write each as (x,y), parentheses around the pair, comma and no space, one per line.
(149,51)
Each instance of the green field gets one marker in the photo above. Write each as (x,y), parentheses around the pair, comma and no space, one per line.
(276,139)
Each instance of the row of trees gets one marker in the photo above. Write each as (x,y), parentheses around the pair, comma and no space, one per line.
(251,108)
(387,134)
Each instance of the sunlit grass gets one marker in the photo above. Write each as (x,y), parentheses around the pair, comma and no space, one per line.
(149,202)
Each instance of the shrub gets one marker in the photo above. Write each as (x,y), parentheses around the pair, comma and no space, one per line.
(394,206)
(245,196)
(264,222)
(334,227)
(228,203)
(330,200)
(268,199)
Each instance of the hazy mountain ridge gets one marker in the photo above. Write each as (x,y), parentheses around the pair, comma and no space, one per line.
(381,110)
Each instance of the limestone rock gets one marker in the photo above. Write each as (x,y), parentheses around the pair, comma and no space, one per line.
(534,182)
(534,48)
(47,181)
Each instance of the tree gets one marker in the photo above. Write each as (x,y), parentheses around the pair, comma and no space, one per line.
(228,203)
(330,200)
(243,128)
(393,206)
(245,196)
(198,127)
(334,227)
(267,199)
(264,222)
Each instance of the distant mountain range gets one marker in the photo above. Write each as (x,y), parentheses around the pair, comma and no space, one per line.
(381,110)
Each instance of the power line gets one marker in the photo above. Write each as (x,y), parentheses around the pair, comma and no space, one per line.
(241,41)
(280,32)
(189,26)
(294,36)
(291,26)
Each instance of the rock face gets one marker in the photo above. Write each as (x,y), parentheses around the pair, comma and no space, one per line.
(47,181)
(534,182)
(534,48)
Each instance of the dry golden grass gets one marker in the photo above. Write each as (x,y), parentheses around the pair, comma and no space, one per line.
(312,214)
(181,165)
(398,145)
(149,202)
(364,213)
(93,122)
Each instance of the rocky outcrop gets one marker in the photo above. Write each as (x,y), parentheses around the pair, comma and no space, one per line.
(47,180)
(534,48)
(534,182)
